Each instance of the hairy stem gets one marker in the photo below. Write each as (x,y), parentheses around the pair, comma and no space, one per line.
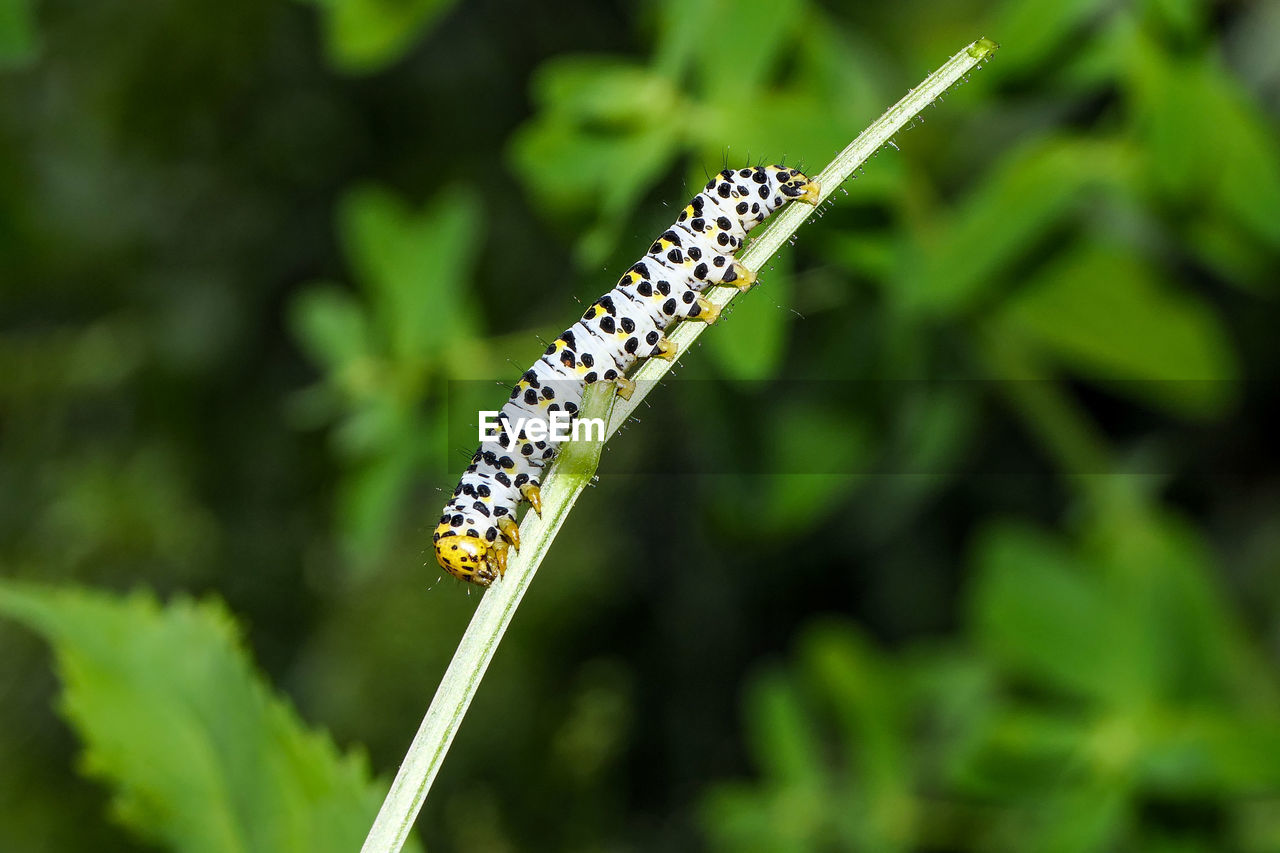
(576,465)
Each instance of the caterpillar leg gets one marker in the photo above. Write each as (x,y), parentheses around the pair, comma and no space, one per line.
(708,311)
(743,277)
(665,348)
(810,193)
(533,495)
(626,387)
(510,531)
(497,559)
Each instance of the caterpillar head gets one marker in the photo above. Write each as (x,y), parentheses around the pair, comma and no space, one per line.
(793,184)
(470,558)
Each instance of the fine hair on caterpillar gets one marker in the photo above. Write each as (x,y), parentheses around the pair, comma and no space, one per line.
(612,337)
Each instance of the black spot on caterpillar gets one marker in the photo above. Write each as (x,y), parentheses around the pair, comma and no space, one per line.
(620,329)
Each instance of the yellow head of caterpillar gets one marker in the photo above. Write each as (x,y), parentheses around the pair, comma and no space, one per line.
(470,558)
(795,184)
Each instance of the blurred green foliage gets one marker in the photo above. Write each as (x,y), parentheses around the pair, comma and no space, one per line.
(202,757)
(362,36)
(1006,407)
(17,32)
(1106,699)
(386,358)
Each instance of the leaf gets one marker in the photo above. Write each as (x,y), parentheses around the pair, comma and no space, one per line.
(758,31)
(1038,612)
(1210,144)
(805,485)
(19,41)
(860,688)
(829,77)
(1105,314)
(973,251)
(637,165)
(740,818)
(1130,613)
(200,753)
(682,25)
(1032,34)
(331,326)
(363,36)
(415,265)
(854,793)
(370,502)
(1212,754)
(788,810)
(606,131)
(1080,819)
(1168,119)
(563,167)
(602,92)
(1179,626)
(754,335)
(927,441)
(781,736)
(1184,19)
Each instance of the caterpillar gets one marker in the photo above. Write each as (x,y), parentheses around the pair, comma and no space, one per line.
(621,328)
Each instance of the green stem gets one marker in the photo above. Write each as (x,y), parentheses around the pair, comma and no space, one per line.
(576,465)
(572,472)
(784,224)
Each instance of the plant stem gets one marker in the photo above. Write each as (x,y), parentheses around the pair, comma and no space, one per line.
(780,228)
(577,463)
(574,468)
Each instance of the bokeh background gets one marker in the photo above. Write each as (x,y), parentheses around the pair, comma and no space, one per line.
(960,533)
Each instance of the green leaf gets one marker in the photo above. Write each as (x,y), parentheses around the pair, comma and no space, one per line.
(869,709)
(370,502)
(19,41)
(854,793)
(1210,144)
(751,337)
(1129,616)
(363,36)
(802,494)
(1105,314)
(782,738)
(603,92)
(1032,34)
(1079,819)
(973,252)
(1183,18)
(200,753)
(415,265)
(1179,627)
(758,31)
(606,131)
(742,819)
(787,811)
(1212,754)
(1016,753)
(828,77)
(1039,613)
(1168,118)
(682,28)
(332,327)
(564,168)
(637,164)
